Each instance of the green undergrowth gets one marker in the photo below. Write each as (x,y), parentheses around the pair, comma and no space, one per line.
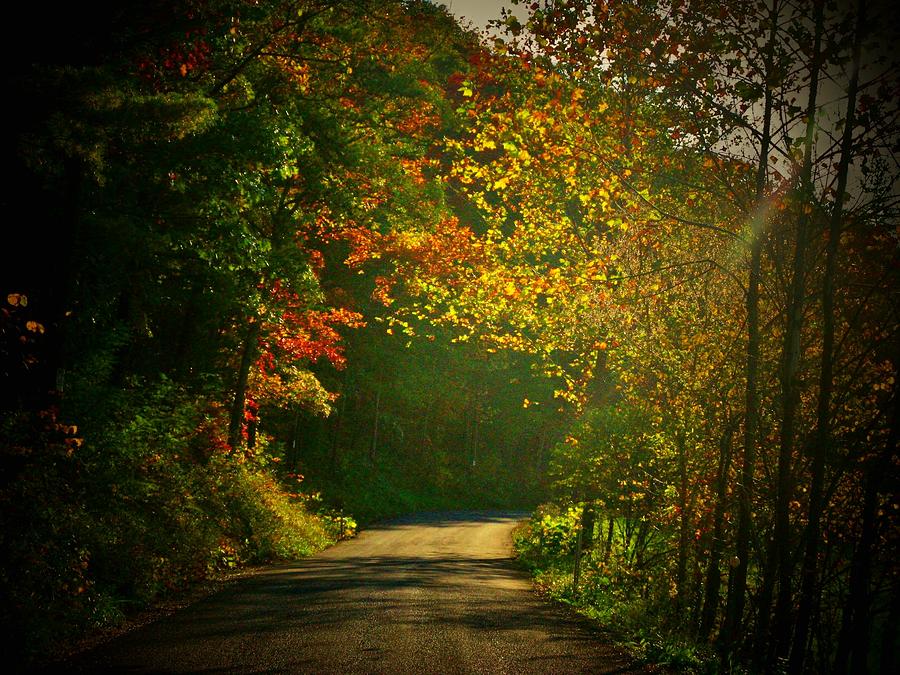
(136,504)
(632,606)
(395,485)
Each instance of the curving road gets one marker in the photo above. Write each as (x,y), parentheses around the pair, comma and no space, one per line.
(433,593)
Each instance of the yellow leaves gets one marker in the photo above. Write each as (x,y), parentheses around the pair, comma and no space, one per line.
(501,183)
(602,106)
(17,300)
(510,290)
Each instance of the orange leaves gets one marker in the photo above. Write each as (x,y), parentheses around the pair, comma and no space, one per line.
(17,300)
(382,291)
(418,121)
(310,335)
(294,335)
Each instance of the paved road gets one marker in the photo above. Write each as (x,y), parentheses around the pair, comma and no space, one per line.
(426,594)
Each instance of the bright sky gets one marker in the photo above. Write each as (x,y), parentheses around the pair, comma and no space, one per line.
(479,12)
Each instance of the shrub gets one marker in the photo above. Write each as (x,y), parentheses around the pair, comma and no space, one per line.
(146,500)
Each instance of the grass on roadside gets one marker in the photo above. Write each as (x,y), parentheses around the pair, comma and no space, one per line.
(633,606)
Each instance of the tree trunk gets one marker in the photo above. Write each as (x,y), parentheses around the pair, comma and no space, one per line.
(822,443)
(737,585)
(374,447)
(681,569)
(576,577)
(181,354)
(338,428)
(713,574)
(640,546)
(588,518)
(248,351)
(781,559)
(475,428)
(292,460)
(853,640)
(610,533)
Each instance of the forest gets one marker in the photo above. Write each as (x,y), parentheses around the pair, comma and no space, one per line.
(273,268)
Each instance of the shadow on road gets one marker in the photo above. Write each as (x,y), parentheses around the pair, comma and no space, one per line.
(428,593)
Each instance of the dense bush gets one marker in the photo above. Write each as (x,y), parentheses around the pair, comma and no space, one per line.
(96,524)
(633,604)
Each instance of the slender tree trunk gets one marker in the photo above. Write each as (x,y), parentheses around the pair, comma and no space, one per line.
(681,569)
(822,443)
(248,351)
(781,559)
(888,651)
(697,579)
(713,574)
(641,544)
(181,354)
(588,518)
(338,428)
(374,447)
(476,424)
(737,585)
(576,577)
(610,533)
(293,456)
(853,640)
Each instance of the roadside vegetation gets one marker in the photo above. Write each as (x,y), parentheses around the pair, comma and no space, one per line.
(286,262)
(98,529)
(630,602)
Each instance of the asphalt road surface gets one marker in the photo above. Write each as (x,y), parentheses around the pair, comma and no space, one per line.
(433,593)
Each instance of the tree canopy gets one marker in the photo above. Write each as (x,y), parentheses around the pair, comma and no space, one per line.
(637,260)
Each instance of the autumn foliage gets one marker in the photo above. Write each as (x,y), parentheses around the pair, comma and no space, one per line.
(313,255)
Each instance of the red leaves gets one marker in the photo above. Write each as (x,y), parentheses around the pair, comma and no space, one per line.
(312,335)
(177,59)
(299,333)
